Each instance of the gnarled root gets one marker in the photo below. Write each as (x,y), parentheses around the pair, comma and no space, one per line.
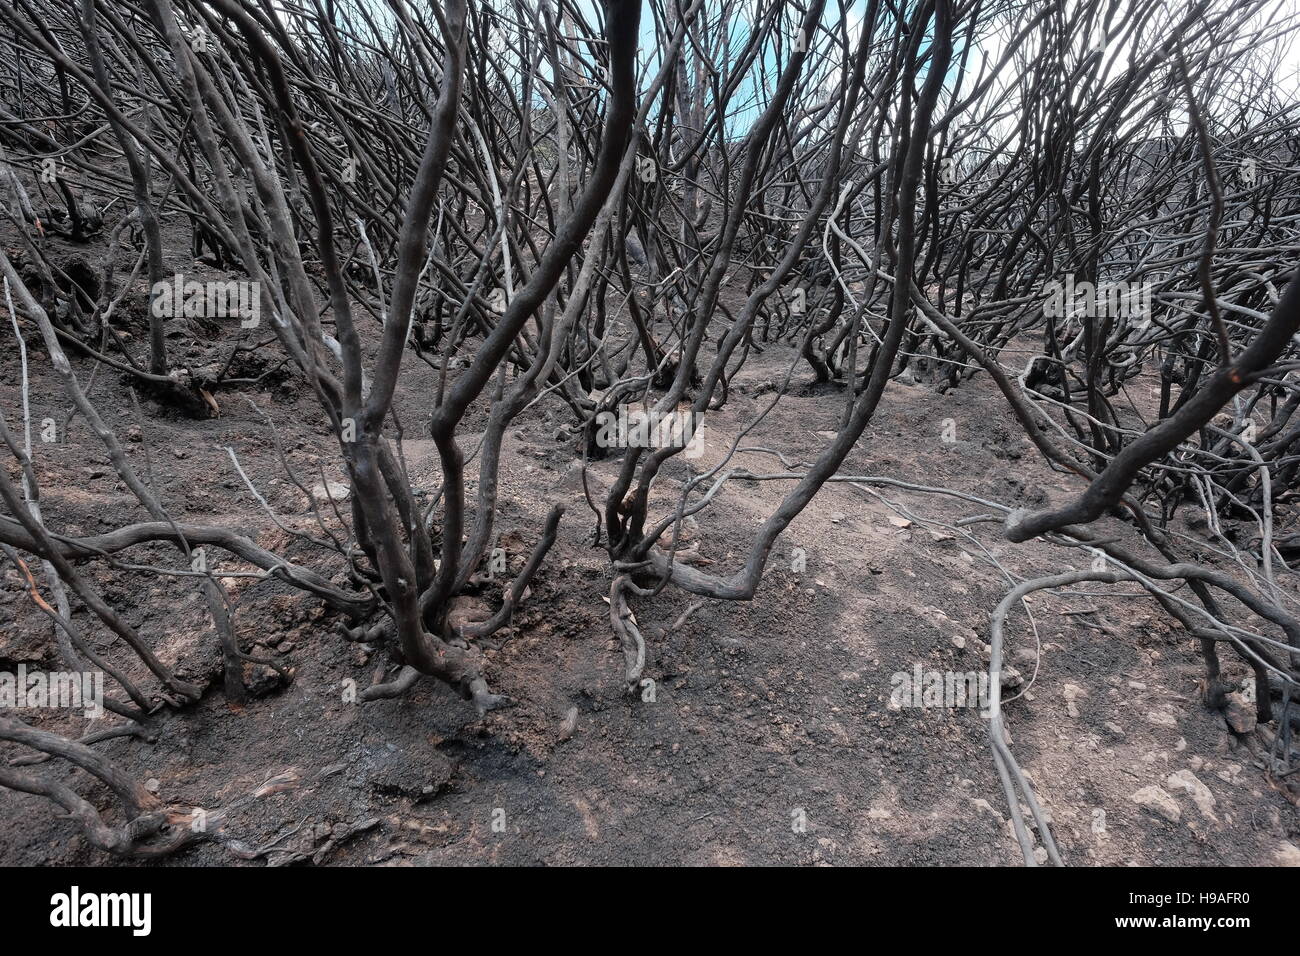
(462,668)
(625,627)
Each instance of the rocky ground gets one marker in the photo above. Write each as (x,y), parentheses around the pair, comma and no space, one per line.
(771,738)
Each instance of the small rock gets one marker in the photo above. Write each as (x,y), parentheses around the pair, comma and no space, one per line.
(1072,694)
(1199,792)
(1162,718)
(335,490)
(1286,854)
(1230,773)
(1240,713)
(1157,800)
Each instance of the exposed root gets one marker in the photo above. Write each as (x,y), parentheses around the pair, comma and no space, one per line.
(625,627)
(406,679)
